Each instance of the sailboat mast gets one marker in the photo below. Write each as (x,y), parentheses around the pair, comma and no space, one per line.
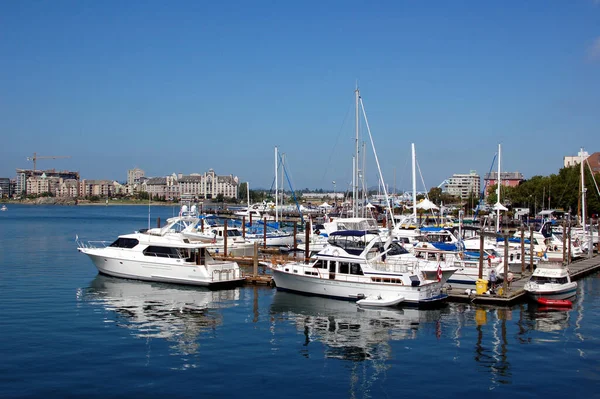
(276,188)
(582,191)
(414,181)
(498,189)
(356,159)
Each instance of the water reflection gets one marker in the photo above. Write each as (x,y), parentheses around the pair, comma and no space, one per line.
(348,331)
(153,310)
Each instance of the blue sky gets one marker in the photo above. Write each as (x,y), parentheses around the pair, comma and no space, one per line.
(187,86)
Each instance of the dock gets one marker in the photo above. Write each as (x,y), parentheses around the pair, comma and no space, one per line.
(516,292)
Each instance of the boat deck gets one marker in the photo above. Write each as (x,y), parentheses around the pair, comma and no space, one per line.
(516,292)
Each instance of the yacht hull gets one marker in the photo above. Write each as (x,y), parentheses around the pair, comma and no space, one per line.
(166,270)
(425,295)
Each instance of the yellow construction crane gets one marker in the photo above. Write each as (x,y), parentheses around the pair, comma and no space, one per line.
(35,157)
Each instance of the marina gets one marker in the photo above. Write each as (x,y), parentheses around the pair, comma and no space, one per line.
(71,329)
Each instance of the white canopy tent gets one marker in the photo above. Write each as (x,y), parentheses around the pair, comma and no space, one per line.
(427,205)
(499,206)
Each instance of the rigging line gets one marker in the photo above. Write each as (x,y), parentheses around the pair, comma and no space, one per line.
(335,144)
(592,173)
(291,189)
(424,186)
(387,200)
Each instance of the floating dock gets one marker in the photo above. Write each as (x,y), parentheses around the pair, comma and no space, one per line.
(516,292)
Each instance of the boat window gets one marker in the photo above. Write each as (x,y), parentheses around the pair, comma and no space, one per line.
(332,267)
(344,267)
(234,233)
(396,249)
(163,252)
(356,269)
(320,264)
(125,243)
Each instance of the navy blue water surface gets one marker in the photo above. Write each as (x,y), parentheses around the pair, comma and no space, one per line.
(67,332)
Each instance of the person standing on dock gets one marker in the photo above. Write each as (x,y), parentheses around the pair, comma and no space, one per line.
(492,280)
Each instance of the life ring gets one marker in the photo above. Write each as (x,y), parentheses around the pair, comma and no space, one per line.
(509,277)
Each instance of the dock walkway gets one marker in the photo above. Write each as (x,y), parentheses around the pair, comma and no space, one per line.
(516,291)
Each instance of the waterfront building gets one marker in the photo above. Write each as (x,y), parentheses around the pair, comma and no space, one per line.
(593,160)
(509,179)
(67,188)
(99,188)
(463,185)
(200,186)
(5,190)
(41,181)
(134,176)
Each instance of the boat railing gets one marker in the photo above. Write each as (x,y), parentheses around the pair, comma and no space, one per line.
(92,244)
(224,272)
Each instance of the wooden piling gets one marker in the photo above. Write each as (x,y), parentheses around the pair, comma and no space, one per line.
(531,250)
(569,244)
(225,237)
(158,222)
(295,233)
(522,250)
(255,261)
(591,244)
(481,241)
(598,248)
(564,243)
(265,232)
(505,279)
(307,240)
(244,226)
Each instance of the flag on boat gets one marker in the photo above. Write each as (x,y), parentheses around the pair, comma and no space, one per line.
(439,272)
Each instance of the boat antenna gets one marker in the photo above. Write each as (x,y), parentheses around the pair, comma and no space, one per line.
(148,211)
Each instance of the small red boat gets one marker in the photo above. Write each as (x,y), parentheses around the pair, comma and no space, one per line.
(555,302)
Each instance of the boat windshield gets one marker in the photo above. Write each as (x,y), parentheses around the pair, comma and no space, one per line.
(396,249)
(125,243)
(549,280)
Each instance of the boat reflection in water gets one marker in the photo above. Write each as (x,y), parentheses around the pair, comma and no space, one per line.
(155,310)
(349,331)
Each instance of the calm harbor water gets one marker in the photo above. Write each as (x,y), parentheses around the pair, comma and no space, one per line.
(68,332)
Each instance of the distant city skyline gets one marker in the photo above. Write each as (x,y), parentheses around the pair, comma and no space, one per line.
(187,86)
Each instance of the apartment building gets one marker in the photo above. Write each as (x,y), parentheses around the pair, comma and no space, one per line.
(41,181)
(462,185)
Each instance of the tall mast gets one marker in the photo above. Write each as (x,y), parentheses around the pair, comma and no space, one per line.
(581,154)
(356,159)
(414,181)
(276,188)
(498,189)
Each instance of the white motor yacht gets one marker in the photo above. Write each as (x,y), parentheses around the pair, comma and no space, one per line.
(353,268)
(168,259)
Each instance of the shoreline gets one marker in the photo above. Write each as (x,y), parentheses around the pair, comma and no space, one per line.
(110,203)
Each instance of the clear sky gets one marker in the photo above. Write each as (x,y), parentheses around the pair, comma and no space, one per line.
(178,86)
